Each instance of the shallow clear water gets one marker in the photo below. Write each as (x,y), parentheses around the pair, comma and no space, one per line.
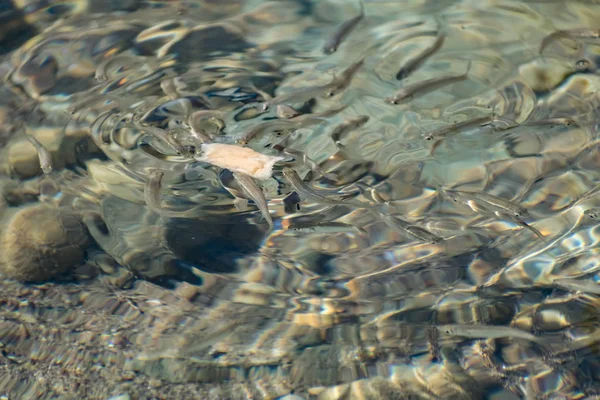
(422,262)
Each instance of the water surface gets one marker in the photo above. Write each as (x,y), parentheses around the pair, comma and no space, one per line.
(389,288)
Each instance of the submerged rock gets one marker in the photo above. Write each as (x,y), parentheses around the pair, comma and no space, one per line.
(23,160)
(41,242)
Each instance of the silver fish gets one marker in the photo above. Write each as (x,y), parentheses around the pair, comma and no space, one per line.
(417,232)
(101,70)
(585,65)
(446,130)
(49,188)
(348,126)
(343,31)
(286,112)
(426,85)
(308,162)
(586,196)
(592,213)
(226,180)
(573,34)
(265,96)
(340,83)
(487,332)
(308,194)
(566,121)
(172,87)
(335,86)
(578,285)
(252,191)
(500,207)
(586,218)
(370,193)
(195,119)
(328,227)
(411,65)
(152,196)
(165,137)
(520,222)
(494,202)
(43,154)
(152,189)
(323,114)
(296,96)
(240,203)
(289,124)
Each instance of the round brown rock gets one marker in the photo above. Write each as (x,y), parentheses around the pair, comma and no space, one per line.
(40,242)
(23,159)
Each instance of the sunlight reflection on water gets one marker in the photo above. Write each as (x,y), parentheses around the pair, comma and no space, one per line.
(444,247)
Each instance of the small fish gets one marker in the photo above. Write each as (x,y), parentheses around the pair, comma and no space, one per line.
(566,121)
(171,87)
(152,197)
(296,96)
(417,232)
(348,126)
(216,117)
(323,114)
(308,194)
(432,341)
(253,192)
(340,83)
(494,202)
(414,63)
(337,85)
(592,213)
(520,222)
(459,126)
(102,69)
(426,85)
(49,189)
(266,96)
(166,137)
(328,227)
(43,154)
(585,65)
(586,196)
(343,31)
(286,112)
(482,202)
(260,128)
(226,180)
(583,33)
(240,203)
(278,124)
(423,234)
(197,117)
(152,189)
(308,162)
(486,332)
(513,209)
(587,218)
(576,285)
(370,193)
